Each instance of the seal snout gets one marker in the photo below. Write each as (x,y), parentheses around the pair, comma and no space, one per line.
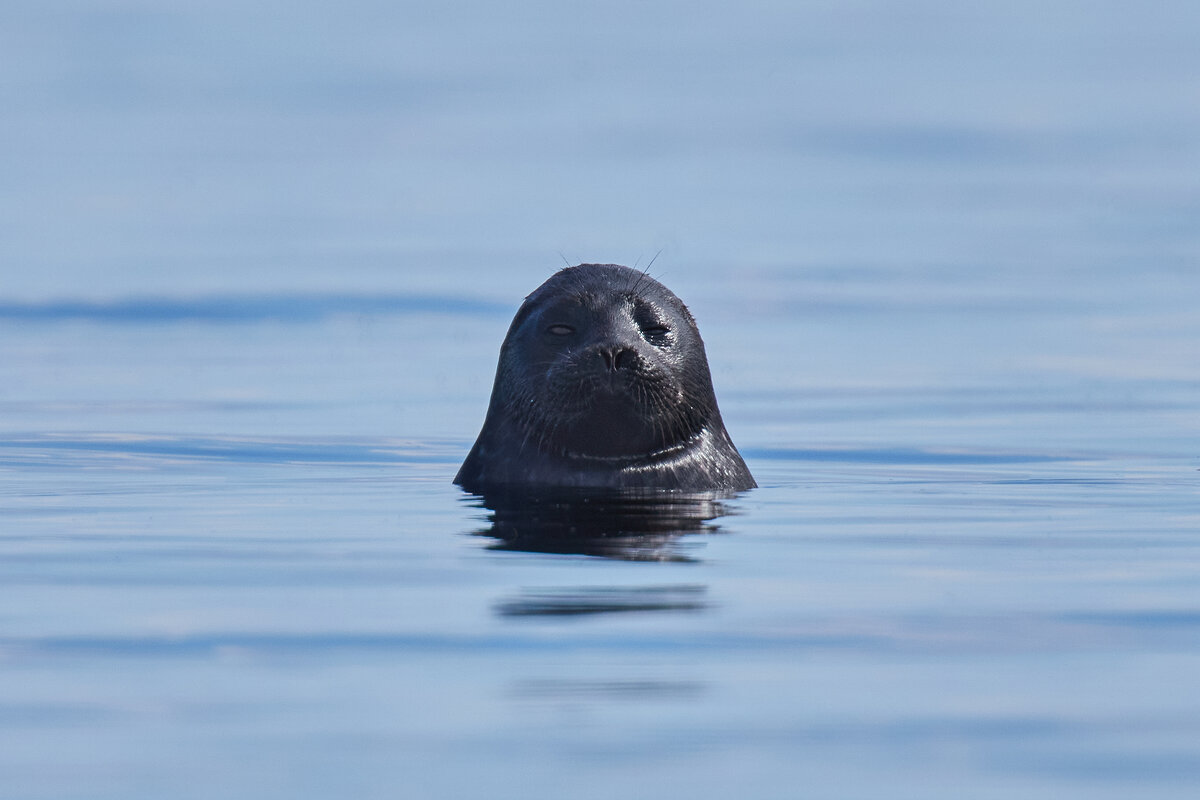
(617,358)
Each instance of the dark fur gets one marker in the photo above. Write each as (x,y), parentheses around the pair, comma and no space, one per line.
(624,400)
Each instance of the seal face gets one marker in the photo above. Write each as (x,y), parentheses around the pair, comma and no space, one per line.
(603,383)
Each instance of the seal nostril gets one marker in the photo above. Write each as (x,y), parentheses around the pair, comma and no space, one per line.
(617,358)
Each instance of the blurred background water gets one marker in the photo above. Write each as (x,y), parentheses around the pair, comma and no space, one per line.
(256,261)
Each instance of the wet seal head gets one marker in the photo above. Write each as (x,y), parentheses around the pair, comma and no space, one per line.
(603,383)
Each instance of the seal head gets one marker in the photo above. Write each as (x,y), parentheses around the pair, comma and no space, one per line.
(603,383)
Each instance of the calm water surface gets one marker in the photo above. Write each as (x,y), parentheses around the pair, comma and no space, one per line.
(256,267)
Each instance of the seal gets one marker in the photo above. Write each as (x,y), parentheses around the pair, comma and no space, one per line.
(603,383)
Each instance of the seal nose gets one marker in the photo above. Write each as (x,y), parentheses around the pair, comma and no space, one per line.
(616,358)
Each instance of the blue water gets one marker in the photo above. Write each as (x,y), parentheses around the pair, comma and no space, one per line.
(255,265)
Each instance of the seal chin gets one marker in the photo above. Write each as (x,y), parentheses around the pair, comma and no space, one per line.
(630,456)
(629,439)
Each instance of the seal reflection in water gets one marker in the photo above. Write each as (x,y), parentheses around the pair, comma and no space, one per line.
(624,524)
(603,435)
(603,384)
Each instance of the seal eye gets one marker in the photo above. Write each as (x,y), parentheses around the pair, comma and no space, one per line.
(560,330)
(658,335)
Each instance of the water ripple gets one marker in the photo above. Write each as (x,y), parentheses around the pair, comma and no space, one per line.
(901,455)
(36,450)
(225,308)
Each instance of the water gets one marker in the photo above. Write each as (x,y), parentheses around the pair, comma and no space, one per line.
(256,265)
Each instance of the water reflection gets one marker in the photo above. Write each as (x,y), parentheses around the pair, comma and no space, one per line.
(632,689)
(628,525)
(579,600)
